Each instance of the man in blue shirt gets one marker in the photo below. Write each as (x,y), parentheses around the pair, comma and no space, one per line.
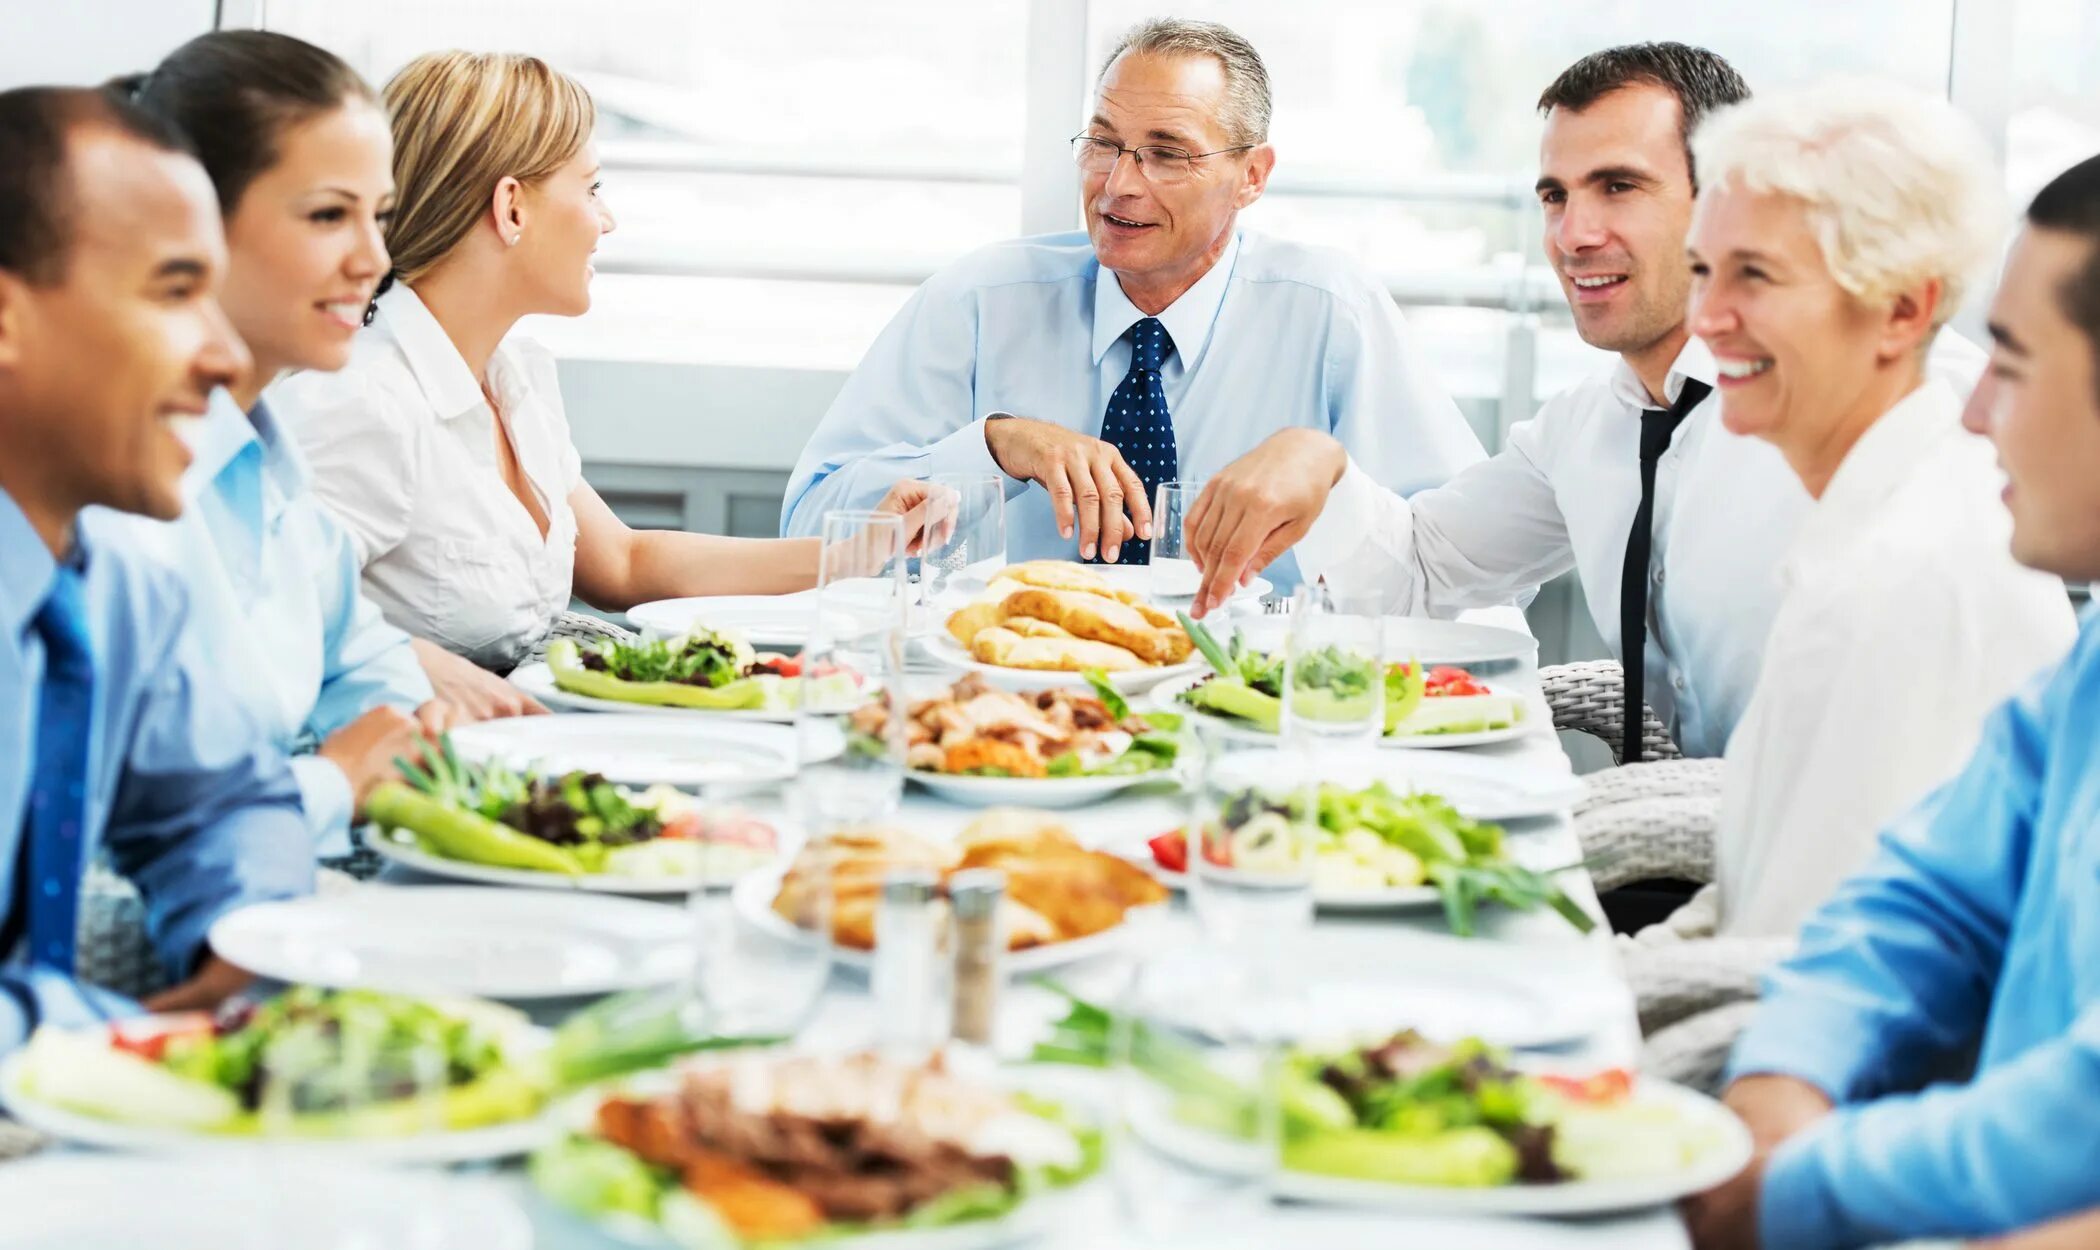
(111,739)
(1976,929)
(1160,344)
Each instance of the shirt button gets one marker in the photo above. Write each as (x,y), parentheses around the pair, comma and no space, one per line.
(1677,681)
(1658,575)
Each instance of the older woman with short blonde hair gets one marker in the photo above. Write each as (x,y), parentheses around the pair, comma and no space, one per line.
(1836,232)
(444,447)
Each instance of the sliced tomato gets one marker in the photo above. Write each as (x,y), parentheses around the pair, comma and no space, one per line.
(148,1036)
(1446,680)
(1170,850)
(1217,848)
(1609,1086)
(730,829)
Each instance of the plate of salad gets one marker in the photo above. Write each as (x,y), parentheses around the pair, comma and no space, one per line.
(1444,706)
(575,830)
(1375,849)
(312,1068)
(707,670)
(852,1151)
(634,749)
(1406,1124)
(983,746)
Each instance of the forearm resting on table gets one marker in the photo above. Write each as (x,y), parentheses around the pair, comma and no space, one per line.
(671,564)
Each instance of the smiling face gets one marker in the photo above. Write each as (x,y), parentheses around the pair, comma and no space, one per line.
(305,246)
(1159,238)
(560,219)
(1800,360)
(1615,187)
(102,366)
(2039,404)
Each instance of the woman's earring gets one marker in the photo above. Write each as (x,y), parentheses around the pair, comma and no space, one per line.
(513,240)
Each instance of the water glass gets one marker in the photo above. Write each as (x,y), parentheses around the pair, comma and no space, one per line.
(751,982)
(1333,674)
(849,719)
(1195,1054)
(1252,838)
(965,544)
(1174,574)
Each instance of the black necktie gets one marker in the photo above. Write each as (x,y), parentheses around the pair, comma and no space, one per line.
(1657,425)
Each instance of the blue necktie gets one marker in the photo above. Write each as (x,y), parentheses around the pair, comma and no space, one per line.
(55,834)
(1136,422)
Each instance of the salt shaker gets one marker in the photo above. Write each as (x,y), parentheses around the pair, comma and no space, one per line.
(974,896)
(909,980)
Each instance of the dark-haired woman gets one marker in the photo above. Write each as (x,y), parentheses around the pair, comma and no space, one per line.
(301,156)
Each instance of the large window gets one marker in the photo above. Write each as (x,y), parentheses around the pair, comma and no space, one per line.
(2055,81)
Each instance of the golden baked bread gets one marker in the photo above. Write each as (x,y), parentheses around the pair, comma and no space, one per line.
(1058,575)
(1007,649)
(1101,620)
(964,623)
(1029,627)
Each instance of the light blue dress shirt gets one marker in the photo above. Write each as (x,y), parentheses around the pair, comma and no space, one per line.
(1979,916)
(274,593)
(1275,335)
(186,796)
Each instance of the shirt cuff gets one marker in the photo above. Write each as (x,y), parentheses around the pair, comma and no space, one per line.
(324,796)
(1796,1203)
(1344,525)
(1794,1035)
(965,451)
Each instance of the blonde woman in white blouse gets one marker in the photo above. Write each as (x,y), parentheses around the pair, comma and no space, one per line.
(1836,232)
(443,447)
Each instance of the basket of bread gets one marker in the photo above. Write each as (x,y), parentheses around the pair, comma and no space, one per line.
(1063,901)
(1052,621)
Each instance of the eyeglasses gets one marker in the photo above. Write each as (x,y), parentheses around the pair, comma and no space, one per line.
(1156,163)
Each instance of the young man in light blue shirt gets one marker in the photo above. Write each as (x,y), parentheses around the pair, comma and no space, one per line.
(1976,929)
(112,736)
(1160,344)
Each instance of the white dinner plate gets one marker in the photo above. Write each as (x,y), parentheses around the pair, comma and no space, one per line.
(474,1145)
(409,855)
(1164,697)
(633,749)
(1172,585)
(79,1201)
(1728,1151)
(942,648)
(753,898)
(1043,792)
(537,680)
(767,622)
(503,944)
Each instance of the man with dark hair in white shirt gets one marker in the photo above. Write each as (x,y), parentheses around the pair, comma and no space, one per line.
(1595,482)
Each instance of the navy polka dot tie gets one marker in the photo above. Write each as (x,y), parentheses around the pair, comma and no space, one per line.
(1136,422)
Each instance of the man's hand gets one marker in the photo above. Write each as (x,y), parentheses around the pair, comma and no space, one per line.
(435,718)
(365,749)
(474,693)
(215,982)
(929,511)
(1088,480)
(1258,508)
(1774,1108)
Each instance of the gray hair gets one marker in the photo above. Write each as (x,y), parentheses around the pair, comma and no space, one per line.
(1246,115)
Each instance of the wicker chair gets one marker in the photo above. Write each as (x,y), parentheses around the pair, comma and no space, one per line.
(581,627)
(1694,1051)
(1590,696)
(1648,822)
(112,949)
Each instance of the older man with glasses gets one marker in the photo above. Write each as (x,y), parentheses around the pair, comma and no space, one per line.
(1161,344)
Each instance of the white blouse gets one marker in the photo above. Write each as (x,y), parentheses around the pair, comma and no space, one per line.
(1903,619)
(402,444)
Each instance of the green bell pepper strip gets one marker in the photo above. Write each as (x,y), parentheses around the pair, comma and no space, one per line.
(566,661)
(461,835)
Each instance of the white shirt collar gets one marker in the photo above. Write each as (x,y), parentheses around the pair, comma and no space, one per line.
(1693,361)
(1880,462)
(1188,320)
(436,364)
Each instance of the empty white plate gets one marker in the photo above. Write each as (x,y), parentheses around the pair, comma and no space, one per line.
(490,943)
(108,1202)
(768,622)
(635,749)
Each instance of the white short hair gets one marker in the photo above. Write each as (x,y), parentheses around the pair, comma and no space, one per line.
(1898,185)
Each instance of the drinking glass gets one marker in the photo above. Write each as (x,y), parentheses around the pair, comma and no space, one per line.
(1333,674)
(1174,574)
(849,719)
(1252,838)
(1195,1054)
(755,982)
(316,1080)
(965,545)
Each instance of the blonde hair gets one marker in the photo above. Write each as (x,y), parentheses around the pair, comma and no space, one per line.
(463,121)
(1898,185)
